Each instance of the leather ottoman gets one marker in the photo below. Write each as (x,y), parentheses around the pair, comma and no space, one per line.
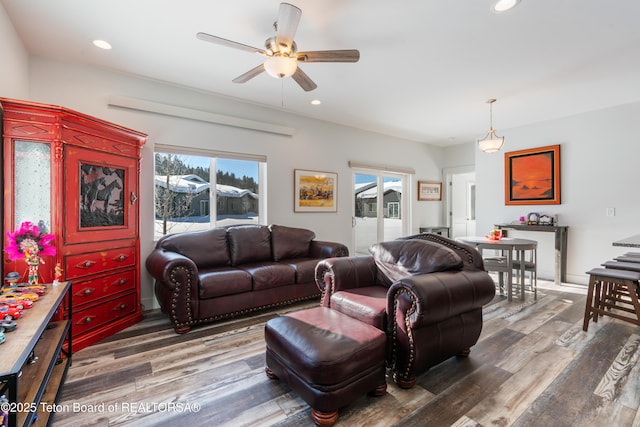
(328,358)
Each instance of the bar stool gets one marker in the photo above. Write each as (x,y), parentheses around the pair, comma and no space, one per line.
(621,265)
(500,265)
(612,292)
(628,258)
(526,262)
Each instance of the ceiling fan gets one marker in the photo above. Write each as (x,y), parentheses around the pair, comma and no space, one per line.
(281,51)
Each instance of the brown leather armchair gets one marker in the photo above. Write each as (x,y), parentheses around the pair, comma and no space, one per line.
(425,291)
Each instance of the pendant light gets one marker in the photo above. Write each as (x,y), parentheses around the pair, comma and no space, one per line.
(491,142)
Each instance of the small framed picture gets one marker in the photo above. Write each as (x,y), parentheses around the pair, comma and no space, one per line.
(315,191)
(429,190)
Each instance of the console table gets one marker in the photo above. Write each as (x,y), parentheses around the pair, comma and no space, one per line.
(560,244)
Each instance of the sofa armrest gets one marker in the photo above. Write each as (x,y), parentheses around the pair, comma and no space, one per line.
(337,274)
(425,299)
(176,286)
(320,249)
(170,268)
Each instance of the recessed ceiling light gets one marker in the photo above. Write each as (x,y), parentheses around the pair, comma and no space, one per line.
(316,102)
(501,6)
(102,44)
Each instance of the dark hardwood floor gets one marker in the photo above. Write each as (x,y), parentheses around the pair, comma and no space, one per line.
(533,366)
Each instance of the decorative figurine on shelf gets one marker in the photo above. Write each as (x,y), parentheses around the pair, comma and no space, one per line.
(533,218)
(494,234)
(546,219)
(31,243)
(57,275)
(33,260)
(11,281)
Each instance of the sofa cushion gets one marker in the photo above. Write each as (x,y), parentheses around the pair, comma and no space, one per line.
(305,269)
(267,275)
(223,281)
(367,304)
(290,242)
(249,244)
(206,248)
(401,258)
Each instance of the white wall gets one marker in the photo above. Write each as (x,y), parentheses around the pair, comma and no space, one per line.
(14,81)
(600,155)
(460,156)
(315,145)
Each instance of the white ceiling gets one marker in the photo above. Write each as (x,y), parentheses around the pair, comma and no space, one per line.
(426,69)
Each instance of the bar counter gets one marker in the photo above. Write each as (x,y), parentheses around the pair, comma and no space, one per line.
(629,242)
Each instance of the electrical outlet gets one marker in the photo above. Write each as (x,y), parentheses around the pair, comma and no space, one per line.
(611,211)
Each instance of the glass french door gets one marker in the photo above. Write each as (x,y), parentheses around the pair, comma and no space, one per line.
(378,209)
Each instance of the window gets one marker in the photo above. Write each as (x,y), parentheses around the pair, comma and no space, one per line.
(378,208)
(183,196)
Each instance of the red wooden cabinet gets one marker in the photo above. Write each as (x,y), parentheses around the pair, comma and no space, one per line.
(78,176)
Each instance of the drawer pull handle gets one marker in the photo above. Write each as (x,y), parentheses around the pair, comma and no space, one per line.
(85,264)
(85,292)
(121,258)
(119,282)
(120,307)
(86,320)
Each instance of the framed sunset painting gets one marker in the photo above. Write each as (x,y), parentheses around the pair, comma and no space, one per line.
(532,177)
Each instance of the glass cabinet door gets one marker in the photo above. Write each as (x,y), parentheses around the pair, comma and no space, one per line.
(27,198)
(32,183)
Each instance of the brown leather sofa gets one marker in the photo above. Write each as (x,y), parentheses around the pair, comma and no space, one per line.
(425,291)
(222,272)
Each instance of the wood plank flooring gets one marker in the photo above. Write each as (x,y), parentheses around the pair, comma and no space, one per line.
(533,366)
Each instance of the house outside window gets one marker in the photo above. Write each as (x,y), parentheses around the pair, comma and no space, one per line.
(366,199)
(183,191)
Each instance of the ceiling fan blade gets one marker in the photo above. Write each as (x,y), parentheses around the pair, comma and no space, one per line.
(249,74)
(286,25)
(228,43)
(347,55)
(303,80)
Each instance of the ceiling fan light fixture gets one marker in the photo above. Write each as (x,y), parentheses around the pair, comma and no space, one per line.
(280,66)
(491,142)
